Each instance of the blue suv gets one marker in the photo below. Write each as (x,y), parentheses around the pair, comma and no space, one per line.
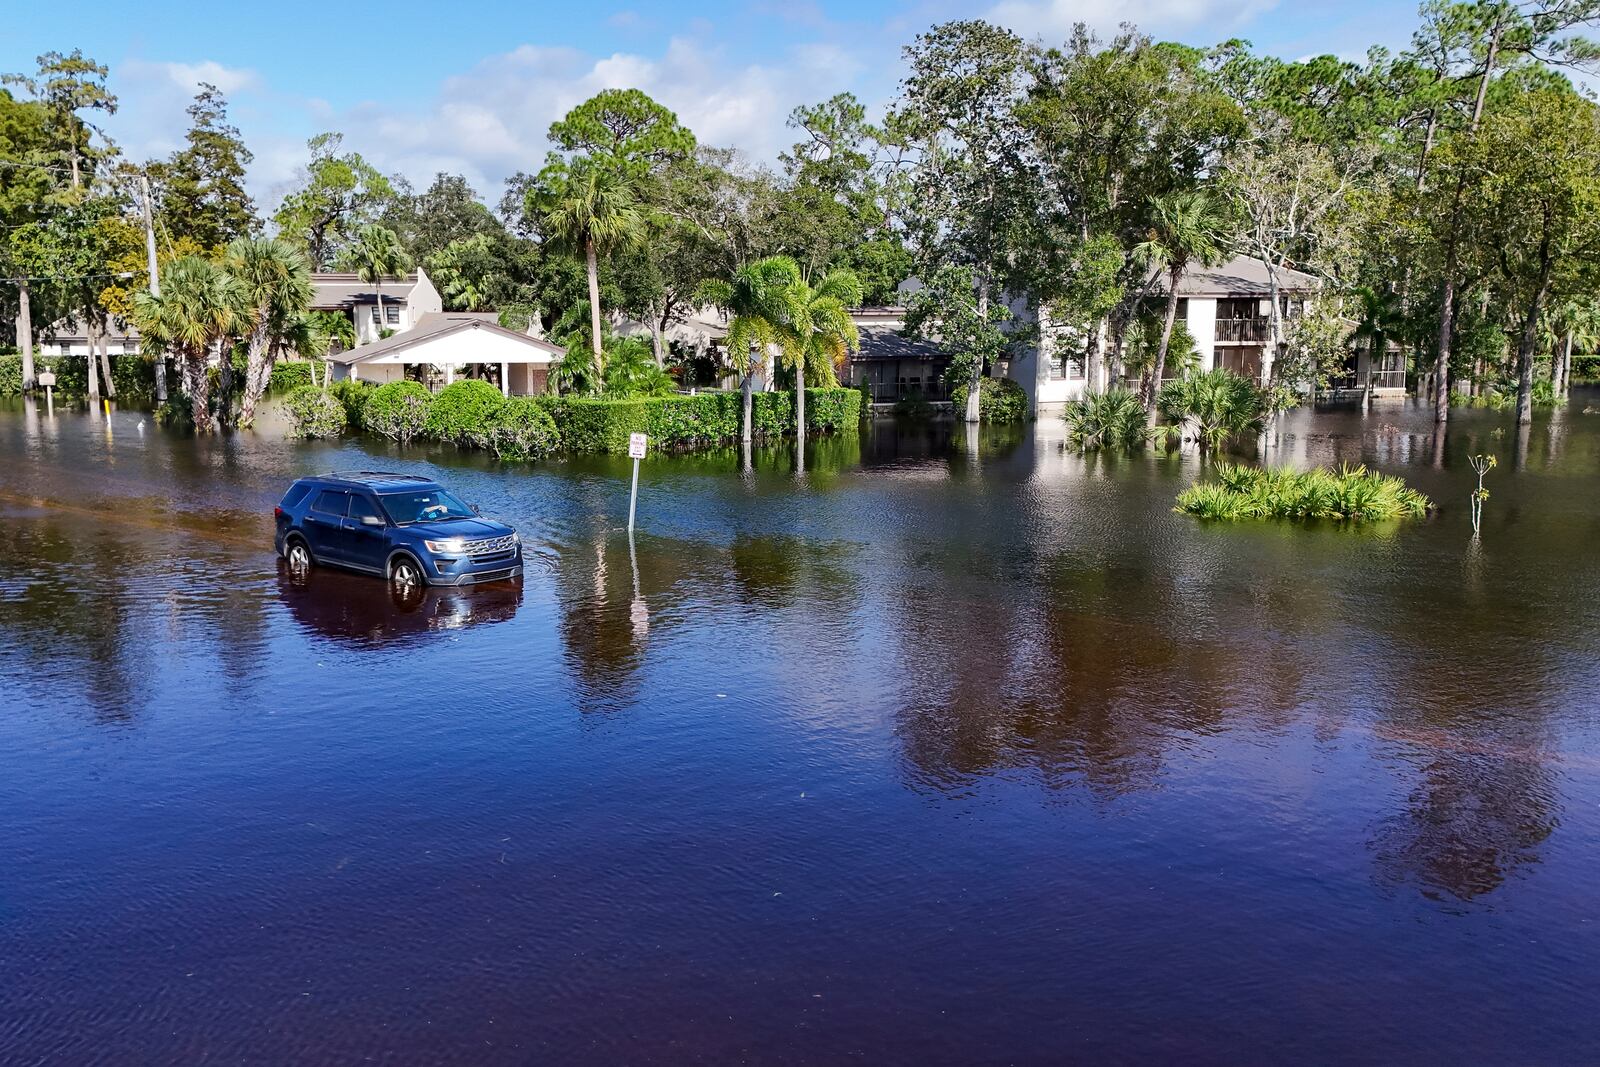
(411,530)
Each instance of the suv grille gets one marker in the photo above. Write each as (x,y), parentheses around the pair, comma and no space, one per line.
(491,547)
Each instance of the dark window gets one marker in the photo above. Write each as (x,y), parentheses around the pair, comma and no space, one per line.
(297,492)
(375,317)
(329,502)
(392,314)
(361,507)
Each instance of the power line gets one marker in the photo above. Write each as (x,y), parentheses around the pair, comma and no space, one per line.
(67,277)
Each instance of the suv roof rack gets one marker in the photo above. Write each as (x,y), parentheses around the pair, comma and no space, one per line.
(369,477)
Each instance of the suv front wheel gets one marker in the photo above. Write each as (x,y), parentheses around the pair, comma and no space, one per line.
(405,575)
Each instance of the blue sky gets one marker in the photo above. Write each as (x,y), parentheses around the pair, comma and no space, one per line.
(421,87)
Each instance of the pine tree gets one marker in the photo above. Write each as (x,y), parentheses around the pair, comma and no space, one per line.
(203,195)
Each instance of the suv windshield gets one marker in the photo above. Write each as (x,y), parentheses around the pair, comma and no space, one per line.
(432,505)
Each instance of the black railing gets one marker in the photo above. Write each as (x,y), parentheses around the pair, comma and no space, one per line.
(1249,331)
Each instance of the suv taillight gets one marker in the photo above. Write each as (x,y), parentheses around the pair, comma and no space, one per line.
(277,513)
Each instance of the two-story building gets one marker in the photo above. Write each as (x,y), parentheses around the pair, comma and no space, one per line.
(405,301)
(1226,309)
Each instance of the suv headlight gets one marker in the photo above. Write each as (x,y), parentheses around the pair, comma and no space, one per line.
(450,546)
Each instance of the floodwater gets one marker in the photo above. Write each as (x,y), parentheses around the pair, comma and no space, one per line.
(944,752)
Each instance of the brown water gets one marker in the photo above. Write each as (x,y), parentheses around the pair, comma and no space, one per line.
(941,753)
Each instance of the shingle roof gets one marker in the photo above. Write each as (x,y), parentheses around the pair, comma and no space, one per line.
(434,325)
(881,342)
(333,291)
(1240,276)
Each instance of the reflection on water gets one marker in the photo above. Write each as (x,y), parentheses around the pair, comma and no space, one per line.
(820,761)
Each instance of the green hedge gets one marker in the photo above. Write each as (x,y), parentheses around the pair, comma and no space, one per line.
(353,393)
(398,410)
(999,400)
(286,376)
(134,376)
(461,412)
(675,422)
(315,413)
(521,428)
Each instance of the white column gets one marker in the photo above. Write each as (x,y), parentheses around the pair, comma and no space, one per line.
(449,373)
(505,379)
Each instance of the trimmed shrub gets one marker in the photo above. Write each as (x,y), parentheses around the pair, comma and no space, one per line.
(286,376)
(1222,404)
(398,410)
(1112,419)
(10,375)
(314,413)
(461,412)
(999,400)
(353,393)
(1353,494)
(521,428)
(683,421)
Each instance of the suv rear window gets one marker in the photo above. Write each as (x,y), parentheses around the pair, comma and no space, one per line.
(297,492)
(331,502)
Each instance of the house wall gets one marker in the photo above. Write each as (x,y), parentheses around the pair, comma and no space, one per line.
(423,298)
(455,350)
(368,331)
(1201,319)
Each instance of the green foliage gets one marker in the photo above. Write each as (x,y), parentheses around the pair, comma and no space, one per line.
(134,376)
(1350,493)
(631,371)
(200,189)
(10,375)
(398,410)
(314,413)
(286,376)
(340,194)
(353,393)
(521,428)
(1113,419)
(1223,405)
(999,400)
(683,421)
(461,412)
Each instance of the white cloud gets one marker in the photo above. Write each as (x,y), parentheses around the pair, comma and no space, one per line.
(188,76)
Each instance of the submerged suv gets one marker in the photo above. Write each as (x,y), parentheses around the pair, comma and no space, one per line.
(411,530)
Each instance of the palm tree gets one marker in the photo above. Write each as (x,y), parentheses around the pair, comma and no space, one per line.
(1576,322)
(378,254)
(276,280)
(1185,227)
(817,334)
(200,306)
(595,210)
(755,299)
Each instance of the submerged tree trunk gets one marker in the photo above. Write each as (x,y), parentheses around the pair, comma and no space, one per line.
(105,366)
(975,386)
(747,388)
(593,265)
(1563,368)
(25,335)
(93,374)
(1530,339)
(199,376)
(800,416)
(224,384)
(1155,373)
(257,371)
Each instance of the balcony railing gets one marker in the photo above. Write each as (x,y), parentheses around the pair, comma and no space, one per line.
(1248,331)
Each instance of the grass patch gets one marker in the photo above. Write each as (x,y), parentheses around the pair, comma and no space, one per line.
(1351,494)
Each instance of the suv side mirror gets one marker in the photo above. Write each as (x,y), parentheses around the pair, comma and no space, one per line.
(475,509)
(371,520)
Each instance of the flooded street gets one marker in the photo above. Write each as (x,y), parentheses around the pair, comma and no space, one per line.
(927,756)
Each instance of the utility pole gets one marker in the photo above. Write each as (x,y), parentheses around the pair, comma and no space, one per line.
(25,334)
(155,282)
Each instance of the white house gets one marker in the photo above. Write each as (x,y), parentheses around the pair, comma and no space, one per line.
(1226,310)
(444,346)
(69,338)
(405,301)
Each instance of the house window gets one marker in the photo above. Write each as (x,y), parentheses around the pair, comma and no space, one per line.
(1069,366)
(376,321)
(392,314)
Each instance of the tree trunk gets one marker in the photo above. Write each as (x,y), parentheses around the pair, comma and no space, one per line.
(975,386)
(225,384)
(25,335)
(105,366)
(594,305)
(93,374)
(199,391)
(747,395)
(658,340)
(257,371)
(1153,383)
(1530,339)
(377,327)
(1563,368)
(800,416)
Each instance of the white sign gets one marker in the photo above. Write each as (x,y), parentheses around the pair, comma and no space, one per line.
(46,379)
(637,442)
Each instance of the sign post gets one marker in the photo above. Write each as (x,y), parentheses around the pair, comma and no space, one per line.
(48,380)
(637,443)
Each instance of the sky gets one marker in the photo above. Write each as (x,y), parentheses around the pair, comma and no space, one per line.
(423,87)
